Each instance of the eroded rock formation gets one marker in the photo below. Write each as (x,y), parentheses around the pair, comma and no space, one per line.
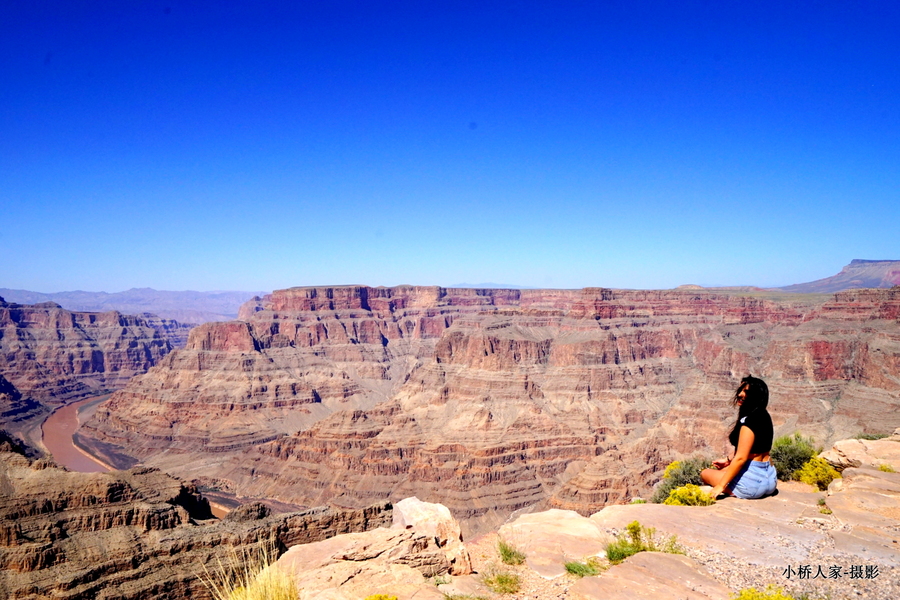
(132,535)
(52,355)
(493,401)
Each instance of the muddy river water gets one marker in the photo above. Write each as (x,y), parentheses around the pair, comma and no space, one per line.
(57,433)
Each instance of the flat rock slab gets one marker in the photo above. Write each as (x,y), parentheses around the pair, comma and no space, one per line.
(762,532)
(356,580)
(554,537)
(652,576)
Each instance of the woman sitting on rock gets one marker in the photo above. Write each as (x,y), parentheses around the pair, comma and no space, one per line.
(749,474)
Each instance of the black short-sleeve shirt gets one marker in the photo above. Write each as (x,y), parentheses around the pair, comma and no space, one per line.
(760,423)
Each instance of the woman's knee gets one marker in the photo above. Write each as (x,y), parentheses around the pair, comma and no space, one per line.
(710,476)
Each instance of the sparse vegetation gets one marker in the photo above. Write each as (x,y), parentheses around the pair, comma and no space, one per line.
(638,501)
(871,436)
(380,597)
(789,453)
(678,474)
(463,597)
(817,472)
(821,502)
(825,510)
(249,574)
(886,468)
(585,569)
(440,580)
(689,495)
(771,593)
(502,582)
(638,538)
(508,554)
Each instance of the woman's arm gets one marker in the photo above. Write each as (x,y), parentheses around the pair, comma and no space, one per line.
(741,456)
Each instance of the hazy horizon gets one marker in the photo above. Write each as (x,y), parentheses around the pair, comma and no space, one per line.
(195,146)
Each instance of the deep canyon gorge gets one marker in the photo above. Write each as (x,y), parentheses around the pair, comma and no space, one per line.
(493,401)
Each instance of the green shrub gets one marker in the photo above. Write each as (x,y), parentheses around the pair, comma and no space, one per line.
(689,495)
(638,538)
(790,453)
(817,472)
(589,569)
(886,468)
(509,555)
(677,474)
(771,593)
(871,436)
(503,582)
(638,501)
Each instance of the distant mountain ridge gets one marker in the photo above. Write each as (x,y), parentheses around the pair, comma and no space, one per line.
(185,307)
(858,274)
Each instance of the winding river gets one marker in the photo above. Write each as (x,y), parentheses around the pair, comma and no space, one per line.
(56,433)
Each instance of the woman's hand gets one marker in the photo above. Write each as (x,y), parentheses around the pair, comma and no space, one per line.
(717,491)
(721,464)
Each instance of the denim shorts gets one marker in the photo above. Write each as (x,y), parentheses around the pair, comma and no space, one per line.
(755,480)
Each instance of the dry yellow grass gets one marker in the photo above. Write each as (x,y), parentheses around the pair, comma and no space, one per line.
(249,574)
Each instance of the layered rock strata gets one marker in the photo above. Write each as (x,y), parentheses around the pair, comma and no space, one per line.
(15,408)
(137,534)
(52,355)
(496,401)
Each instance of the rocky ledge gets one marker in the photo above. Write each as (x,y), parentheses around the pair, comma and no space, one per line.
(785,540)
(132,535)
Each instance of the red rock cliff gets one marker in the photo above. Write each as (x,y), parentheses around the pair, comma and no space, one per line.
(489,401)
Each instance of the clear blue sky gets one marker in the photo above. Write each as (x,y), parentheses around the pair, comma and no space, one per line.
(210,145)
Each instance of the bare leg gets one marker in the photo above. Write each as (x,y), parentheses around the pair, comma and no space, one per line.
(711,476)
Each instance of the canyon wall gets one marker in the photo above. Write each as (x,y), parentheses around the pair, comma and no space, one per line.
(495,401)
(52,355)
(133,535)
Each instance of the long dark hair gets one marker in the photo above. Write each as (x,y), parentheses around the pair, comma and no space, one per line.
(757,398)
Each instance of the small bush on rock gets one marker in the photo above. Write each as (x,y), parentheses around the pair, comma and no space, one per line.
(503,582)
(638,538)
(790,453)
(689,495)
(508,554)
(817,472)
(584,569)
(677,474)
(871,436)
(249,574)
(886,468)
